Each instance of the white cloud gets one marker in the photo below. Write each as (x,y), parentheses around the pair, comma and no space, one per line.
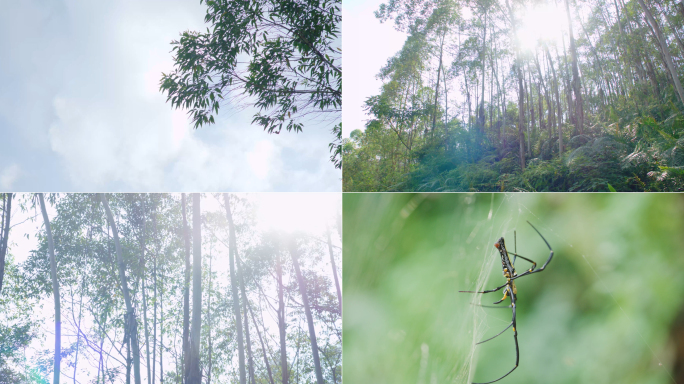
(92,105)
(8,176)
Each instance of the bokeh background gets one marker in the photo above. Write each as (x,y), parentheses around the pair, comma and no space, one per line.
(608,309)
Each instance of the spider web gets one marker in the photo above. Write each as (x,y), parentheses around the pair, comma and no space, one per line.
(499,222)
(509,214)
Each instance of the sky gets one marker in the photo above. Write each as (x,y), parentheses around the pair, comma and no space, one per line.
(366,46)
(81,110)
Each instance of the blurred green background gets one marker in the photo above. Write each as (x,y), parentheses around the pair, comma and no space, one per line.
(608,309)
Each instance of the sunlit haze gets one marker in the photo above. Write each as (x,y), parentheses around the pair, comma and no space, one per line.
(541,23)
(300,212)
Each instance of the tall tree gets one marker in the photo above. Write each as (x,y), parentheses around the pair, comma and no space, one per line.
(664,49)
(232,254)
(307,310)
(284,369)
(334,270)
(4,231)
(131,322)
(576,86)
(186,296)
(195,376)
(55,291)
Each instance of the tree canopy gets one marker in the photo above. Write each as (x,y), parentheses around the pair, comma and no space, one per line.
(526,95)
(123,265)
(283,57)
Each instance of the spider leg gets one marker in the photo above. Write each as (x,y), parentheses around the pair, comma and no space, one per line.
(547,261)
(489,306)
(484,341)
(488,291)
(534,263)
(506,291)
(515,338)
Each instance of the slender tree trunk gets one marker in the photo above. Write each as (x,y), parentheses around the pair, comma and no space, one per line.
(55,291)
(558,102)
(665,50)
(439,68)
(4,232)
(161,330)
(481,113)
(209,324)
(195,376)
(285,373)
(144,297)
(154,313)
(234,288)
(576,86)
(78,327)
(130,318)
(307,311)
(521,92)
(128,353)
(250,359)
(186,297)
(263,347)
(334,271)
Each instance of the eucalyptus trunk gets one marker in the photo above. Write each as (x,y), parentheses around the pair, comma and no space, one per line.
(132,325)
(186,296)
(334,271)
(307,311)
(55,291)
(665,50)
(232,252)
(285,373)
(195,376)
(4,232)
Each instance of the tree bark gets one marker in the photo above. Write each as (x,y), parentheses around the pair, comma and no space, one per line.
(144,294)
(521,95)
(55,291)
(558,102)
(186,297)
(439,68)
(195,376)
(132,325)
(285,373)
(263,347)
(234,288)
(4,232)
(665,50)
(209,324)
(579,104)
(334,271)
(307,311)
(250,359)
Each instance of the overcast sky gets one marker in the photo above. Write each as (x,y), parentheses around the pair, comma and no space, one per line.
(80,109)
(366,46)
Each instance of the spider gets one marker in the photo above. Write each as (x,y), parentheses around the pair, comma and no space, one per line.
(509,289)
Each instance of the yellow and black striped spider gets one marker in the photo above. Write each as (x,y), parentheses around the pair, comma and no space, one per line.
(510,291)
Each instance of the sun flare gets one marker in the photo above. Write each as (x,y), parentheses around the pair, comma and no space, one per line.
(545,23)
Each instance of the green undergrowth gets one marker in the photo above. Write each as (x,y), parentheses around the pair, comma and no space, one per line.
(635,152)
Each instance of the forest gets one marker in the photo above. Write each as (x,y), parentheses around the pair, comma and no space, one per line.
(526,95)
(170,288)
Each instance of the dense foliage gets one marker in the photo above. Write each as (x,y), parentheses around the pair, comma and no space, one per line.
(293,70)
(95,345)
(600,105)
